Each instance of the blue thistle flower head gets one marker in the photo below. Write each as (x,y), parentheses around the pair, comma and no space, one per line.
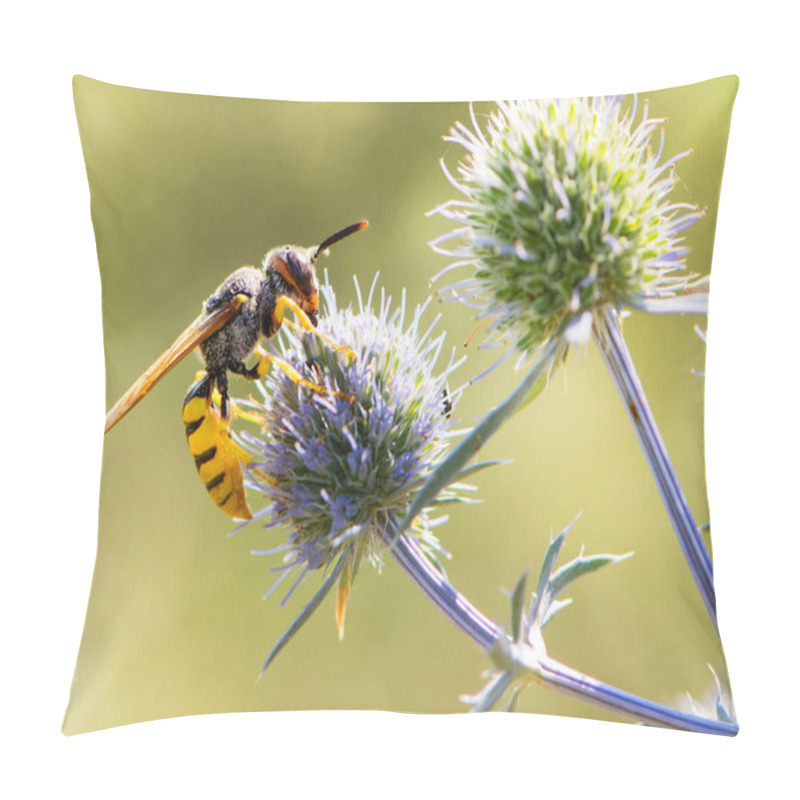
(342,465)
(566,207)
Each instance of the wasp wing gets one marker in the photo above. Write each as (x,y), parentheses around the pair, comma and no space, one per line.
(203,327)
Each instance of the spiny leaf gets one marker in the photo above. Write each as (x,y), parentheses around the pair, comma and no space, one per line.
(513,701)
(553,581)
(548,563)
(452,466)
(473,468)
(582,565)
(518,607)
(553,609)
(305,614)
(487,697)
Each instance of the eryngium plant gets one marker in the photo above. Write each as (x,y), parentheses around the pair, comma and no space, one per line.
(341,465)
(566,208)
(567,216)
(354,454)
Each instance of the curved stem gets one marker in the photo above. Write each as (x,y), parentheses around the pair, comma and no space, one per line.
(492,638)
(615,353)
(575,683)
(435,587)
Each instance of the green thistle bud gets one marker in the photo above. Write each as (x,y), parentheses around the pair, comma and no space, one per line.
(567,208)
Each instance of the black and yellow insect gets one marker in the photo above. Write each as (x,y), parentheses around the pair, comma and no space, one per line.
(249,304)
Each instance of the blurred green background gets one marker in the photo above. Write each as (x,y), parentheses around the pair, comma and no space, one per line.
(187,188)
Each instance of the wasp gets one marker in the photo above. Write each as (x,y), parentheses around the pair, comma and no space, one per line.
(248,306)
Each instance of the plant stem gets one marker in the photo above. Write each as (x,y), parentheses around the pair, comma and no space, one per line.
(492,638)
(434,585)
(575,683)
(615,353)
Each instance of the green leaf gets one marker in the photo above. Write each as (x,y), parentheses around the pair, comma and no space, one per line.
(536,390)
(482,465)
(553,581)
(582,565)
(553,549)
(518,607)
(553,609)
(449,501)
(450,469)
(513,701)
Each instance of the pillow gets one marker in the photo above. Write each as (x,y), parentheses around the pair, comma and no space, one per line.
(563,228)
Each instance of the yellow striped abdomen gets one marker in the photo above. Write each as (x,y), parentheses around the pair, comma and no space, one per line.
(216,456)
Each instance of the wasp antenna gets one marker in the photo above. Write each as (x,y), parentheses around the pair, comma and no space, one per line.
(337,237)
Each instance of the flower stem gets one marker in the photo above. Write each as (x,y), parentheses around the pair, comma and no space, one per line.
(615,353)
(434,585)
(575,683)
(493,639)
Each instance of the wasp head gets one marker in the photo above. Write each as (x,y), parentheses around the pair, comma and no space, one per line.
(296,266)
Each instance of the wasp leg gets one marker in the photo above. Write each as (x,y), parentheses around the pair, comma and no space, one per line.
(267,359)
(244,457)
(284,302)
(261,367)
(217,457)
(240,368)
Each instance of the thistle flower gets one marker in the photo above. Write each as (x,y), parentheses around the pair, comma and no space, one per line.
(342,464)
(567,208)
(567,217)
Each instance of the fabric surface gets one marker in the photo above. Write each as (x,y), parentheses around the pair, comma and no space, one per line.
(185,189)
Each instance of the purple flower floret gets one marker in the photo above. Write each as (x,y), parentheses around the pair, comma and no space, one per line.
(343,465)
